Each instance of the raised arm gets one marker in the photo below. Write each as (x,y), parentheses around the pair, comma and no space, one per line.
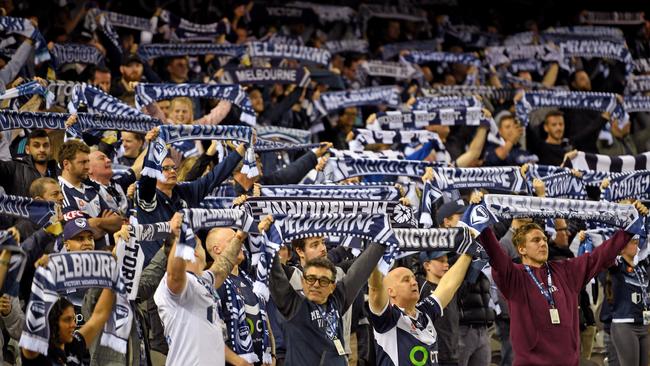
(216,115)
(224,263)
(377,295)
(359,272)
(452,280)
(475,148)
(91,329)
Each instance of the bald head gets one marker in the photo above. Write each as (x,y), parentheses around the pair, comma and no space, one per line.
(100,167)
(402,287)
(218,240)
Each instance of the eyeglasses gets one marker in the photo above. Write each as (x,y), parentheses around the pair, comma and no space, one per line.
(322,281)
(168,168)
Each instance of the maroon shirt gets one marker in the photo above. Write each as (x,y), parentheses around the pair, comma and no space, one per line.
(535,340)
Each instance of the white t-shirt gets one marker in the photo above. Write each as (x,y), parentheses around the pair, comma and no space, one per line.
(193,329)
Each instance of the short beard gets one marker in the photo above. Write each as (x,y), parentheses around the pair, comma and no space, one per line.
(44,161)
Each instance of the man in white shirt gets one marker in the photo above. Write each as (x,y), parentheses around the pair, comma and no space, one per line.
(187,303)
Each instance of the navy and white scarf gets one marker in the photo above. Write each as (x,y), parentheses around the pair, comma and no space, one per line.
(609,164)
(421,57)
(496,56)
(62,91)
(169,134)
(333,101)
(338,169)
(201,218)
(604,102)
(292,52)
(238,326)
(333,192)
(563,184)
(71,271)
(636,103)
(637,84)
(347,45)
(39,212)
(289,13)
(391,50)
(155,50)
(130,258)
(99,102)
(589,177)
(184,30)
(583,32)
(396,70)
(495,207)
(429,103)
(408,13)
(29,88)
(612,18)
(263,145)
(94,21)
(485,91)
(147,93)
(385,154)
(363,137)
(642,65)
(11,286)
(76,53)
(598,48)
(212,202)
(627,185)
(128,21)
(290,135)
(24,27)
(267,76)
(328,13)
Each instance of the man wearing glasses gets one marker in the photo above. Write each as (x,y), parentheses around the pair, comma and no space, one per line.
(314,327)
(157,201)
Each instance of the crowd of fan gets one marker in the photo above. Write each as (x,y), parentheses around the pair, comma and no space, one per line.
(328,304)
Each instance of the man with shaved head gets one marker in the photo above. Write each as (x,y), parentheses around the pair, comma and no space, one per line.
(239,285)
(403,325)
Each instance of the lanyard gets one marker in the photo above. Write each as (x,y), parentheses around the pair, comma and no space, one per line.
(546,292)
(638,272)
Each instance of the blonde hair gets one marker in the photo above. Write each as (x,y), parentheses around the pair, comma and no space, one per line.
(186,166)
(183,100)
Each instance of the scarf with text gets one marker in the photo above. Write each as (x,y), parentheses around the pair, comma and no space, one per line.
(604,102)
(29,88)
(403,12)
(155,50)
(636,103)
(485,91)
(263,145)
(395,70)
(336,100)
(291,135)
(76,53)
(62,91)
(128,21)
(147,93)
(259,207)
(41,213)
(71,271)
(378,192)
(589,177)
(496,56)
(169,134)
(328,13)
(24,27)
(267,76)
(95,21)
(338,169)
(176,28)
(642,65)
(97,102)
(17,262)
(347,45)
(429,103)
(418,119)
(637,84)
(558,34)
(421,57)
(201,218)
(292,52)
(631,185)
(363,137)
(609,164)
(563,184)
(130,258)
(495,207)
(612,18)
(391,50)
(600,49)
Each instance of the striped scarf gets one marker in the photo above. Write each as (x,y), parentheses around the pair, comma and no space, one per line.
(29,88)
(292,52)
(609,164)
(155,50)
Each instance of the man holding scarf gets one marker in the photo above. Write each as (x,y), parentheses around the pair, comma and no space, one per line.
(543,296)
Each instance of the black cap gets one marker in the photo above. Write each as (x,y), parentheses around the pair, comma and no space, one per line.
(447,210)
(432,254)
(131,58)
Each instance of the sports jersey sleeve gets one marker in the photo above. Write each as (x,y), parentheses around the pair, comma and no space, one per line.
(386,320)
(145,194)
(430,305)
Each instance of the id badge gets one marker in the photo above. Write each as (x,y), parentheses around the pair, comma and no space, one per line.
(339,346)
(646,317)
(555,316)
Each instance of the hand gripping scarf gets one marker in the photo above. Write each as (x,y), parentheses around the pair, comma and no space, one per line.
(630,185)
(24,27)
(71,271)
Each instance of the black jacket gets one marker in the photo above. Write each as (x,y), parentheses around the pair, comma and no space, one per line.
(474,303)
(18,174)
